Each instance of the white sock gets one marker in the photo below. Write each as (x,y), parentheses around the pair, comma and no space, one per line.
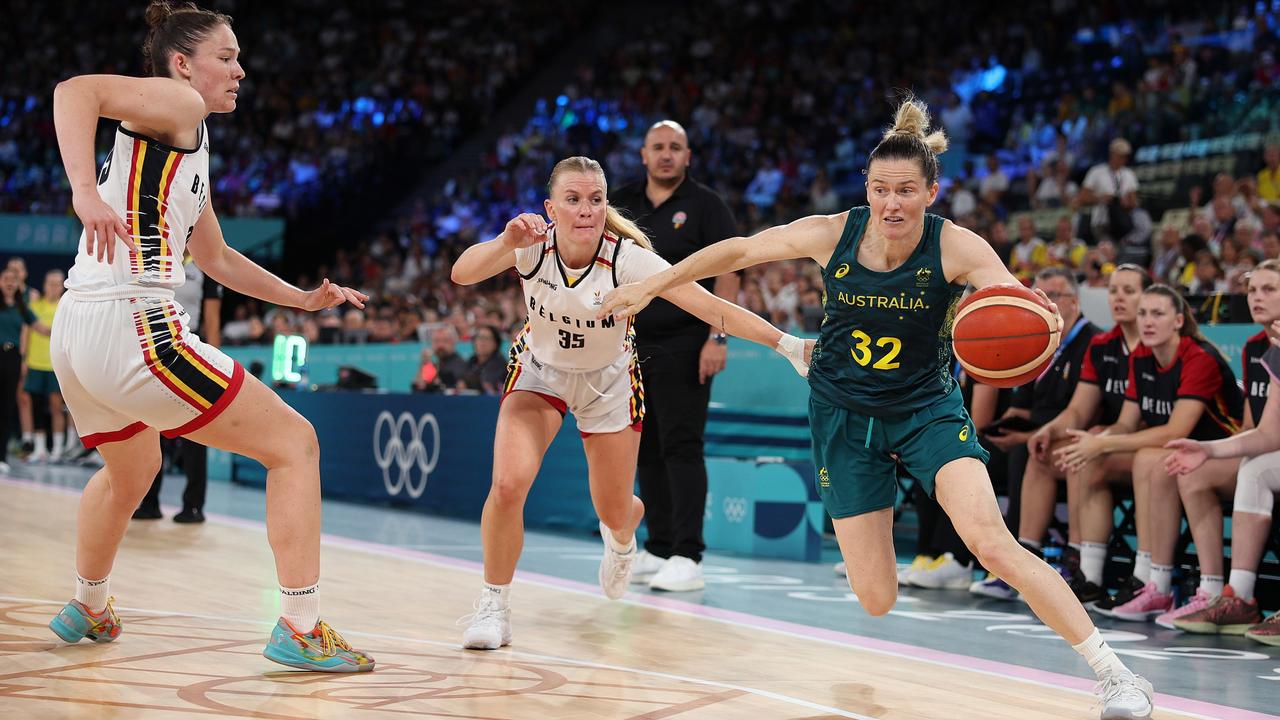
(1075,546)
(1142,566)
(502,592)
(1099,655)
(93,593)
(57,444)
(26,437)
(301,607)
(1211,584)
(39,443)
(616,546)
(1242,582)
(1093,559)
(1030,543)
(1162,576)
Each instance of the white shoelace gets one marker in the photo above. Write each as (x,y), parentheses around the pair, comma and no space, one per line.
(487,613)
(1120,686)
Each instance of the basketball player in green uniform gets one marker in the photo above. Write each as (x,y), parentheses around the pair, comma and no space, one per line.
(880,383)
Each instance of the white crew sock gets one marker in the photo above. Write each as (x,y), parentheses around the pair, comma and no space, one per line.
(93,593)
(26,438)
(501,592)
(1242,582)
(1211,584)
(301,607)
(1142,566)
(1162,576)
(57,445)
(1099,655)
(1093,559)
(40,443)
(616,546)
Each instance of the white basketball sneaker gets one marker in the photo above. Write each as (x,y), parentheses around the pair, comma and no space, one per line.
(944,573)
(678,574)
(489,627)
(1125,696)
(615,567)
(646,565)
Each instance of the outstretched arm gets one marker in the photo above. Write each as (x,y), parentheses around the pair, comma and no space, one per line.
(160,104)
(484,260)
(737,321)
(814,236)
(226,265)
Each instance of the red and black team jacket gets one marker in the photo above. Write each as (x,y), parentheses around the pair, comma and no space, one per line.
(1106,364)
(1198,372)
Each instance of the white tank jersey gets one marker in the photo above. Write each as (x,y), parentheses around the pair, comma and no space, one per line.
(562,330)
(159,191)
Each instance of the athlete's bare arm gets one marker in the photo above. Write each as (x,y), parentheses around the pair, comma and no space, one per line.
(722,315)
(967,259)
(814,237)
(162,107)
(226,265)
(484,260)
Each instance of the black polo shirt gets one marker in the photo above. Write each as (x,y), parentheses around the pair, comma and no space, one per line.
(691,219)
(1050,394)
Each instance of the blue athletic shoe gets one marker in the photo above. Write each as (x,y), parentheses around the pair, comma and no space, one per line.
(321,650)
(993,587)
(75,622)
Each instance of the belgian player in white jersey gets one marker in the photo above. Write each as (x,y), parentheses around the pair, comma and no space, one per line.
(129,365)
(568,360)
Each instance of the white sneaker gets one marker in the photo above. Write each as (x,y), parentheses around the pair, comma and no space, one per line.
(39,455)
(646,565)
(1124,696)
(679,574)
(489,627)
(840,569)
(615,567)
(4,467)
(907,574)
(944,573)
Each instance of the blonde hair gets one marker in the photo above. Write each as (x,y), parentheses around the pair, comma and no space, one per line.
(615,223)
(909,139)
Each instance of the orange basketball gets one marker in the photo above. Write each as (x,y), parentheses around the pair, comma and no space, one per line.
(1005,335)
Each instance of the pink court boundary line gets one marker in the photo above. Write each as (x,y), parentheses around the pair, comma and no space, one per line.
(1189,706)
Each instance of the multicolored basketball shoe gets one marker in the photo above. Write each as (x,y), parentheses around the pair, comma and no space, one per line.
(321,650)
(1225,614)
(1266,632)
(75,621)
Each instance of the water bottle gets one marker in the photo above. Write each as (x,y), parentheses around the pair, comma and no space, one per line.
(1053,556)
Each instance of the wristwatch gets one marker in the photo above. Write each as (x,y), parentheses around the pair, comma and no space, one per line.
(720,338)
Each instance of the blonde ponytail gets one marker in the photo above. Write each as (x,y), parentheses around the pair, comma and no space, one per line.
(615,223)
(909,139)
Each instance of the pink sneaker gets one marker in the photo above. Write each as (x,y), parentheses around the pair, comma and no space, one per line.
(1147,604)
(1197,603)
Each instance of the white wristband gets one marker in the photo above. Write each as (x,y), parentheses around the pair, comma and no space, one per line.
(792,348)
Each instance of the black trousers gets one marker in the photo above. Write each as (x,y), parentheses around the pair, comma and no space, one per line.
(10,371)
(671,470)
(937,534)
(194,463)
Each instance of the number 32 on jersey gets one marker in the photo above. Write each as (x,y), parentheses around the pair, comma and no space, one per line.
(861,350)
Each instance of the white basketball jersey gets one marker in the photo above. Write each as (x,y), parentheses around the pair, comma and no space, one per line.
(562,330)
(159,191)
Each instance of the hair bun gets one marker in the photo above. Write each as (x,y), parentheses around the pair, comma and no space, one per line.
(157,12)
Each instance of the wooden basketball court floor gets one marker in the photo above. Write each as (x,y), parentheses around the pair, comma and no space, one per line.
(198,602)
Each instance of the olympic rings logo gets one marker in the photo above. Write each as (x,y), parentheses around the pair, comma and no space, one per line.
(402,445)
(735,509)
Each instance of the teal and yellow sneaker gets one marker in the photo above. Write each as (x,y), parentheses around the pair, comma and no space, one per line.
(75,621)
(321,650)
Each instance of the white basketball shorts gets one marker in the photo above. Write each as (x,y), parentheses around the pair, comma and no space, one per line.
(125,363)
(602,401)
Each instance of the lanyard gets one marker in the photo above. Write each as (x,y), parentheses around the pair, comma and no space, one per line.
(1075,330)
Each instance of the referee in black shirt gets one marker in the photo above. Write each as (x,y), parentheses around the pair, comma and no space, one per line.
(679,354)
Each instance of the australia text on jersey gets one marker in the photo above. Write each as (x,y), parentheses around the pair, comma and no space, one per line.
(543,312)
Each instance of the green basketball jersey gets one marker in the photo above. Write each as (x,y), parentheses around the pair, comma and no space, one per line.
(885,343)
